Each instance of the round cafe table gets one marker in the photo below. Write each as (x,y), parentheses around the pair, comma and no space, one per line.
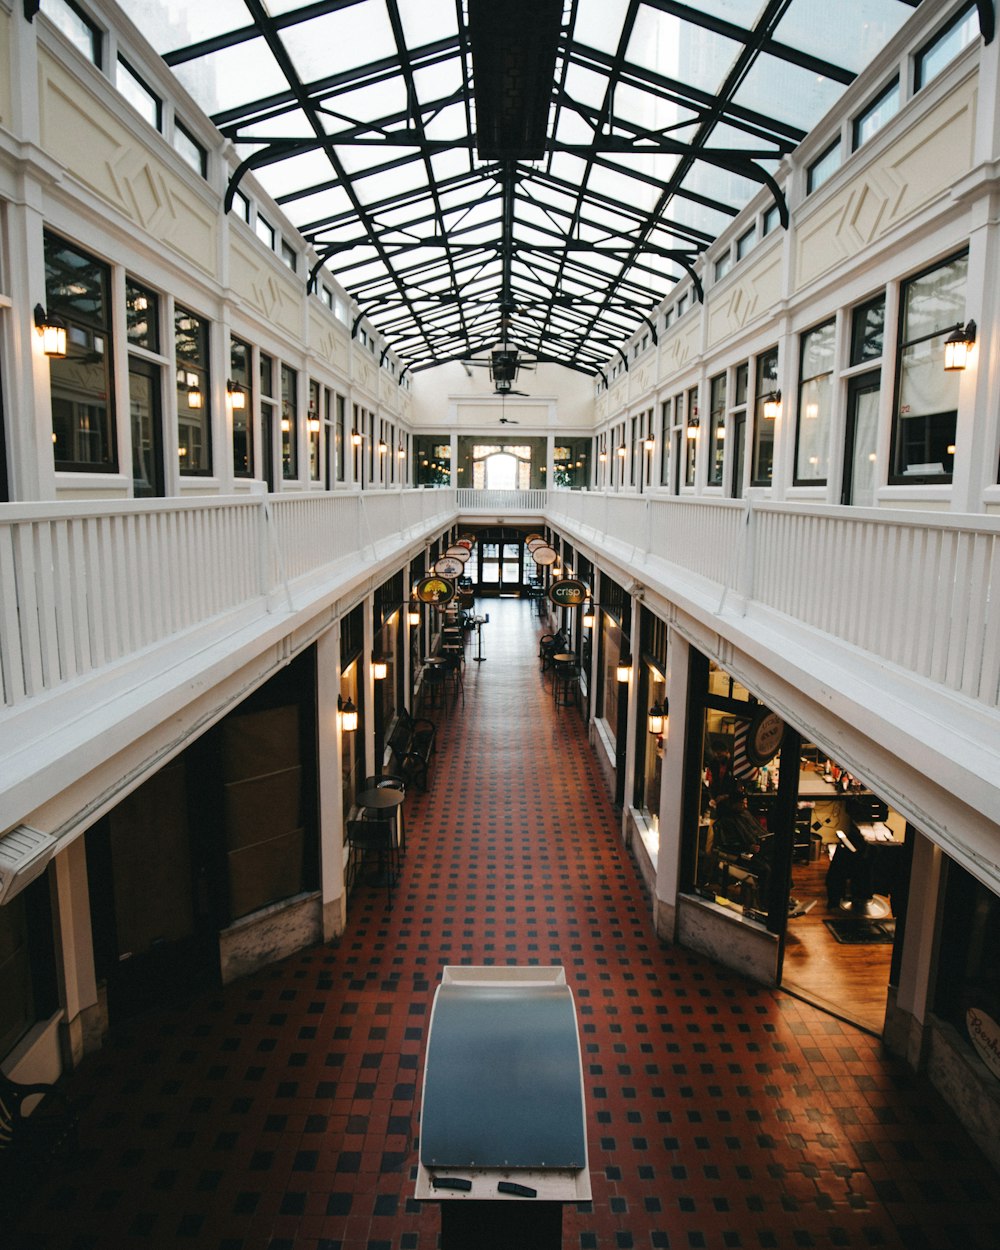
(390,802)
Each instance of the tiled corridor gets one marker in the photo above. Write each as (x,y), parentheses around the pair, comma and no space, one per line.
(282,1111)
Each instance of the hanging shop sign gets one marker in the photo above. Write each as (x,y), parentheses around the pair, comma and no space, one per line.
(569,592)
(434,590)
(468,541)
(544,555)
(459,552)
(985,1034)
(763,738)
(448,566)
(534,543)
(533,538)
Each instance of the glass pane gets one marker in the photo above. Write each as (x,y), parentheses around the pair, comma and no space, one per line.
(943,50)
(194,446)
(813,444)
(763,434)
(142,316)
(871,121)
(145,103)
(849,33)
(935,301)
(143,403)
(241,379)
(717,431)
(84,36)
(868,331)
(289,423)
(865,416)
(824,169)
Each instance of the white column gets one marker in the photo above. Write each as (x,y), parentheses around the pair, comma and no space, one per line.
(918,954)
(75,956)
(668,860)
(331,789)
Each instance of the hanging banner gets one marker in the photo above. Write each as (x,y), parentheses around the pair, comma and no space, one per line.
(448,566)
(544,555)
(434,590)
(569,593)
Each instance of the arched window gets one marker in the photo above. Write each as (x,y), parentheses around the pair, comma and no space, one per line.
(496,467)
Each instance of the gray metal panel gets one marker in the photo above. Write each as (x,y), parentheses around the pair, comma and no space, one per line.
(503,1085)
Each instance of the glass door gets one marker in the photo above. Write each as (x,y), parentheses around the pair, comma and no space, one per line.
(861,434)
(147,431)
(500,567)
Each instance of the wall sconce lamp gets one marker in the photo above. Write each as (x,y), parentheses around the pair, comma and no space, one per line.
(195,398)
(657,720)
(313,425)
(589,616)
(237,396)
(622,450)
(380,669)
(624,669)
(52,331)
(603,457)
(401,452)
(692,428)
(348,715)
(383,446)
(772,406)
(356,438)
(649,444)
(413,616)
(957,346)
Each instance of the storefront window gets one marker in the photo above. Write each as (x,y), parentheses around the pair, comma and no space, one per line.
(693,432)
(83,426)
(611,650)
(653,745)
(352,743)
(314,427)
(27,991)
(932,305)
(433,459)
(968,981)
(194,406)
(815,407)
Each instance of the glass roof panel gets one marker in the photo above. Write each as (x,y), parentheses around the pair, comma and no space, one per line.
(427,21)
(599,23)
(639,75)
(681,50)
(849,33)
(230,77)
(804,96)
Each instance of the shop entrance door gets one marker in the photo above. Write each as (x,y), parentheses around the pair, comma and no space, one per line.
(849,878)
(147,431)
(500,567)
(859,450)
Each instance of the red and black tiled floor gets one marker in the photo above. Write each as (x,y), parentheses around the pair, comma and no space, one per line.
(281,1112)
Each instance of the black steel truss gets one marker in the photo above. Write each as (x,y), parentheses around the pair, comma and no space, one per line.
(538,249)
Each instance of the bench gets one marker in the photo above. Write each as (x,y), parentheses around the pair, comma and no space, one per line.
(412,744)
(27,1141)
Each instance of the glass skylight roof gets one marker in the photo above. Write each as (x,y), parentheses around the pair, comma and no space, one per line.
(663,119)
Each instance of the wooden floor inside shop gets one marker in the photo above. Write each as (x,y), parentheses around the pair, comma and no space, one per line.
(848,978)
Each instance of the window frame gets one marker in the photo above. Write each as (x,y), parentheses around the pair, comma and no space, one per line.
(829,325)
(817,171)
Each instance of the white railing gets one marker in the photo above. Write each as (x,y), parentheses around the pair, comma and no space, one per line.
(502,502)
(917,589)
(83,585)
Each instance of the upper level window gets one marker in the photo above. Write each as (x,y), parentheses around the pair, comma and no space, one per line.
(823,168)
(241,206)
(289,255)
(762,467)
(875,116)
(868,331)
(76,26)
(142,316)
(945,46)
(923,444)
(815,407)
(681,305)
(145,101)
(326,296)
(194,422)
(83,426)
(723,265)
(265,232)
(745,242)
(770,220)
(668,316)
(192,151)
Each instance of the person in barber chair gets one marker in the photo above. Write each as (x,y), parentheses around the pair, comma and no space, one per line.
(737,836)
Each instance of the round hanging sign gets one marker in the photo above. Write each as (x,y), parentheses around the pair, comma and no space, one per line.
(447,566)
(569,592)
(533,538)
(764,737)
(467,541)
(544,555)
(535,543)
(434,590)
(458,552)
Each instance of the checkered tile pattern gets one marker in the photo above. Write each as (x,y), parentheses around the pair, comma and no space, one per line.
(282,1112)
